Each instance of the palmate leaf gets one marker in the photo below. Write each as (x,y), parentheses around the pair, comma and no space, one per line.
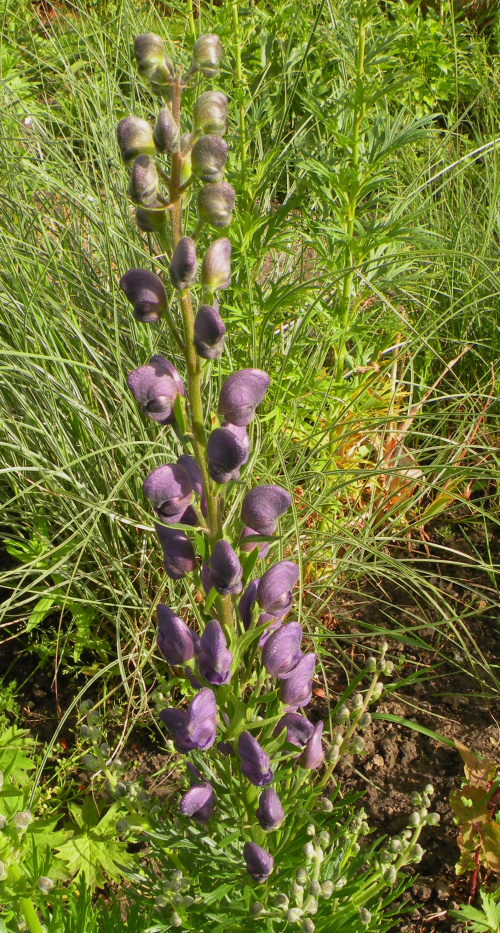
(93,849)
(14,762)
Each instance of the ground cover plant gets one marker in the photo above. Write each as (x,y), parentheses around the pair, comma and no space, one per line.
(362,214)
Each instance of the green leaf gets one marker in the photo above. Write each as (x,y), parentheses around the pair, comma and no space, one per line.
(415,726)
(42,609)
(93,849)
(14,762)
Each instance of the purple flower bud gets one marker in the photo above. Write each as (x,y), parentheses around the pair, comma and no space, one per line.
(166,132)
(281,652)
(313,754)
(184,265)
(296,690)
(210,114)
(255,763)
(216,265)
(214,657)
(143,185)
(198,802)
(193,471)
(240,394)
(274,594)
(207,54)
(190,677)
(205,578)
(178,553)
(196,777)
(169,490)
(155,388)
(161,80)
(152,219)
(225,455)
(259,863)
(246,602)
(262,506)
(270,813)
(216,204)
(209,333)
(135,137)
(174,638)
(225,748)
(208,159)
(248,546)
(146,293)
(149,52)
(298,729)
(225,569)
(196,727)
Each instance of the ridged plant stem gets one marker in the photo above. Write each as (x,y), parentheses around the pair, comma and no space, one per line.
(240,91)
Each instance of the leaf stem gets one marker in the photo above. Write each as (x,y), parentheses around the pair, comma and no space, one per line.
(25,903)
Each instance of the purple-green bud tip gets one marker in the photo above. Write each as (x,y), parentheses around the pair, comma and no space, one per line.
(175,640)
(255,763)
(209,333)
(216,204)
(183,266)
(143,185)
(152,219)
(270,813)
(313,754)
(216,266)
(208,159)
(135,137)
(166,132)
(214,657)
(225,569)
(207,54)
(210,114)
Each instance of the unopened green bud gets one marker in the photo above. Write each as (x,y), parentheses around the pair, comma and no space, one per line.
(121,789)
(208,158)
(429,790)
(210,114)
(152,219)
(84,731)
(143,185)
(207,54)
(312,906)
(394,845)
(308,925)
(104,749)
(216,204)
(311,829)
(388,668)
(3,871)
(365,916)
(177,875)
(301,875)
(332,754)
(391,875)
(414,820)
(161,901)
(293,915)
(370,665)
(135,137)
(324,839)
(385,857)
(357,700)
(433,819)
(256,908)
(281,900)
(22,820)
(415,798)
(45,885)
(417,853)
(326,804)
(384,647)
(356,847)
(175,920)
(296,891)
(3,821)
(185,885)
(364,720)
(380,664)
(358,744)
(84,707)
(188,901)
(177,900)
(216,266)
(377,691)
(327,889)
(166,132)
(343,713)
(122,826)
(161,83)
(149,52)
(341,883)
(1,780)
(314,887)
(308,850)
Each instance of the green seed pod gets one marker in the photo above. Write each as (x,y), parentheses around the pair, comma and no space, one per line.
(149,50)
(143,186)
(45,885)
(210,114)
(216,204)
(152,219)
(208,158)
(207,54)
(166,132)
(135,137)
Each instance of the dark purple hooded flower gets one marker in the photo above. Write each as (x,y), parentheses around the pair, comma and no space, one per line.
(175,639)
(209,333)
(313,754)
(262,506)
(281,652)
(298,729)
(184,264)
(296,690)
(146,294)
(207,54)
(255,763)
(193,471)
(240,394)
(259,863)
(225,569)
(198,802)
(225,455)
(274,594)
(214,657)
(178,553)
(155,389)
(205,578)
(246,602)
(248,546)
(241,433)
(195,727)
(270,813)
(169,490)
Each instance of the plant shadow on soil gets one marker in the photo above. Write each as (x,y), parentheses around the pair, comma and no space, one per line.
(396,760)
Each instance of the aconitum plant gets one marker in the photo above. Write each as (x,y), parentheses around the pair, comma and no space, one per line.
(254,812)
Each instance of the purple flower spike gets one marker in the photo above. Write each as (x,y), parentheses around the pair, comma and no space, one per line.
(174,638)
(196,727)
(248,546)
(296,690)
(184,264)
(298,729)
(146,294)
(169,490)
(178,553)
(262,507)
(313,754)
(209,333)
(155,389)
(225,569)
(281,652)
(240,394)
(214,657)
(193,471)
(198,803)
(274,594)
(270,813)
(225,455)
(255,763)
(259,863)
